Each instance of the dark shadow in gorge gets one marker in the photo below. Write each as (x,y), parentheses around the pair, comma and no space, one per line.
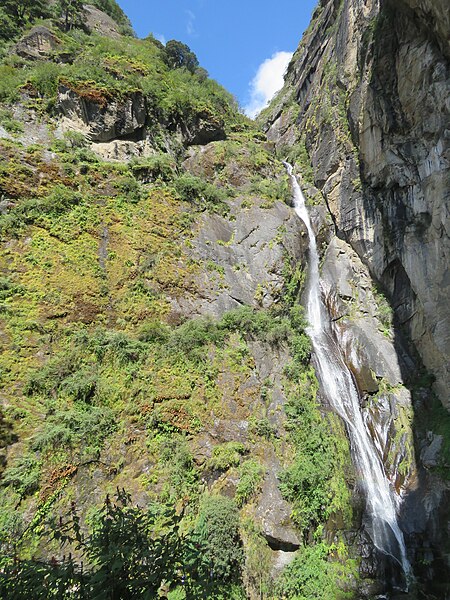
(424,513)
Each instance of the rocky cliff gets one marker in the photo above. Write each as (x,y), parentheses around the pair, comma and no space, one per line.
(152,332)
(364,116)
(367,94)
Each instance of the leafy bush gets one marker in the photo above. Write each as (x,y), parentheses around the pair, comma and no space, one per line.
(217,531)
(251,475)
(194,334)
(159,166)
(33,210)
(24,476)
(272,189)
(315,481)
(75,428)
(312,575)
(226,455)
(9,123)
(201,193)
(178,462)
(298,154)
(44,78)
(262,427)
(129,552)
(10,81)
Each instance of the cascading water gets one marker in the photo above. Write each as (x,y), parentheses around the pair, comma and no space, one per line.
(342,394)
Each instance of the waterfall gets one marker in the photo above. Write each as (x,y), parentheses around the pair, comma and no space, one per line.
(340,389)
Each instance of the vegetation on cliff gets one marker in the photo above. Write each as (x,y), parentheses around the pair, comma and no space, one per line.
(108,382)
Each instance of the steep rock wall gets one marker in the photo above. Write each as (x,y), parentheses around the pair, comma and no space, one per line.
(367,95)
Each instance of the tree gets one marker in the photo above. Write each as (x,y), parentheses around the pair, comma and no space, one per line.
(179,55)
(8,28)
(129,554)
(71,11)
(26,10)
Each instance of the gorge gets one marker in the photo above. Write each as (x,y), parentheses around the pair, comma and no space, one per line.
(220,379)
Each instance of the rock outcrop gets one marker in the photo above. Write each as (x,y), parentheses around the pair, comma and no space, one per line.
(37,44)
(99,117)
(367,93)
(365,113)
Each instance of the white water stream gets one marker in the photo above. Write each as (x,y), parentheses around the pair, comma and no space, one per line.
(342,394)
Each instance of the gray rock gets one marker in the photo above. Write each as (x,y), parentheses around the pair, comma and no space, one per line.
(101,119)
(37,44)
(96,21)
(430,454)
(244,255)
(382,159)
(203,130)
(273,515)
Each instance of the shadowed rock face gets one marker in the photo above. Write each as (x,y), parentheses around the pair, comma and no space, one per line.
(378,143)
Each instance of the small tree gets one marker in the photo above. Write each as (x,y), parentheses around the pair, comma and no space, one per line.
(71,11)
(179,55)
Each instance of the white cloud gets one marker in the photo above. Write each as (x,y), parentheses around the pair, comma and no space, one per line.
(160,37)
(190,25)
(267,81)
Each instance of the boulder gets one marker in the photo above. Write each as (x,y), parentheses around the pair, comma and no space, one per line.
(273,514)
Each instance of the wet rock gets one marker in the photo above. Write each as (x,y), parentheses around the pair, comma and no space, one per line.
(101,118)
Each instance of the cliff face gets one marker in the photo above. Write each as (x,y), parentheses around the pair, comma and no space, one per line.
(367,94)
(151,275)
(364,116)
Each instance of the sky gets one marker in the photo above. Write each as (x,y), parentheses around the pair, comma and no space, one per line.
(245,45)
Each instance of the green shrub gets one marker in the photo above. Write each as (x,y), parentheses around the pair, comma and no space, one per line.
(312,575)
(315,481)
(34,210)
(201,193)
(194,334)
(24,476)
(226,455)
(175,455)
(81,429)
(217,531)
(154,332)
(272,189)
(251,474)
(158,167)
(262,427)
(297,154)
(10,81)
(9,123)
(129,188)
(44,78)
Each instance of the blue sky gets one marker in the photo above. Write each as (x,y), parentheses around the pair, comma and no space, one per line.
(231,38)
